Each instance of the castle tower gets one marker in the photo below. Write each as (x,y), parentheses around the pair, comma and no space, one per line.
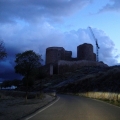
(53,54)
(85,52)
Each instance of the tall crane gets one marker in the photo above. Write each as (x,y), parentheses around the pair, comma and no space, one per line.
(97,46)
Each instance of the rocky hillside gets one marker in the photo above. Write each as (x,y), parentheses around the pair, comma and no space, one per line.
(85,79)
(95,82)
(94,79)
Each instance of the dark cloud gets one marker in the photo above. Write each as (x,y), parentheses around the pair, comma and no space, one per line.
(52,37)
(114,5)
(31,10)
(33,31)
(7,71)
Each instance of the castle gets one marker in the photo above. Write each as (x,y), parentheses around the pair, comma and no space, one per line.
(84,52)
(59,61)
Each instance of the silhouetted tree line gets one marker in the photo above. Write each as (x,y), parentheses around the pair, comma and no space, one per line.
(9,83)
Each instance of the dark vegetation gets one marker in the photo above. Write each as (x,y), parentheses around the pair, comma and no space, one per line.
(9,83)
(86,79)
(2,50)
(28,64)
(107,80)
(72,77)
(101,83)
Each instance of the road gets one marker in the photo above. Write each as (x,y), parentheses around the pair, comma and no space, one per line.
(78,108)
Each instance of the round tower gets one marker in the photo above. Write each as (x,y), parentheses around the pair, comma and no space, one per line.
(85,52)
(53,54)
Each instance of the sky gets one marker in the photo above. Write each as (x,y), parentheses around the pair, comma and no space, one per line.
(38,24)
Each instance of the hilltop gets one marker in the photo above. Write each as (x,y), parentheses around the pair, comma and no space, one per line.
(83,80)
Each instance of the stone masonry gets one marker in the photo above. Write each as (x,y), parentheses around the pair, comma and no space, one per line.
(62,60)
(54,54)
(84,52)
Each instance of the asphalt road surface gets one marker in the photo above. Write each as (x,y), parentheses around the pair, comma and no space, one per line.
(78,108)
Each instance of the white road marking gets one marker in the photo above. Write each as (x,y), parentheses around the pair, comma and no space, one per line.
(42,109)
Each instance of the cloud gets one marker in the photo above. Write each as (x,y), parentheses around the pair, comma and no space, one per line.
(37,10)
(7,71)
(107,51)
(39,37)
(26,25)
(113,5)
(18,38)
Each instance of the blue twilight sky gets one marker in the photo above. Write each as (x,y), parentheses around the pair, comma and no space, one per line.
(38,24)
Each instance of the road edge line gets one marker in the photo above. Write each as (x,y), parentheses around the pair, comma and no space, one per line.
(39,111)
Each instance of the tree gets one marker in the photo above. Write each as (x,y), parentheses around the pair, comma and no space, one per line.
(26,63)
(9,83)
(2,50)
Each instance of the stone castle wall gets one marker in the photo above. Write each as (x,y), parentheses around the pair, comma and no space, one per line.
(53,54)
(70,66)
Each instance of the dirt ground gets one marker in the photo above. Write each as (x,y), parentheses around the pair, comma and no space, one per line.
(16,109)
